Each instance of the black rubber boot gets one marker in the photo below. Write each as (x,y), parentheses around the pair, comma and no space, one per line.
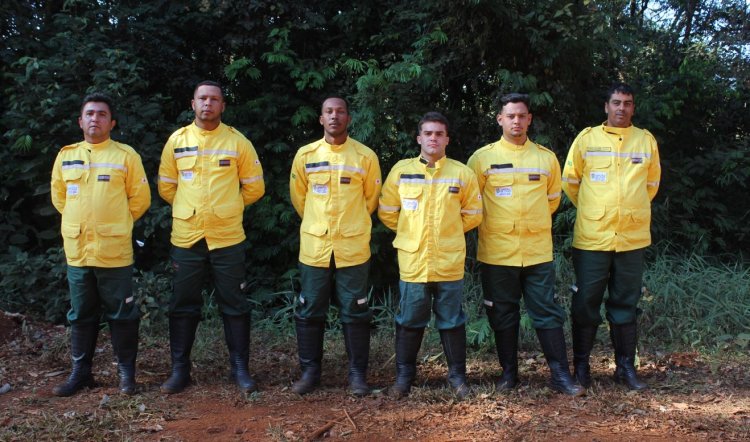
(583,342)
(181,336)
(408,341)
(553,345)
(82,348)
(310,347)
(237,335)
(506,342)
(454,347)
(624,339)
(357,341)
(125,346)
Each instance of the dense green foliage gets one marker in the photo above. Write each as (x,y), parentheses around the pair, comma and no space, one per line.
(689,62)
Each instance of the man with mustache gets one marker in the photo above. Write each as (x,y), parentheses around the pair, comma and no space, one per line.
(100,188)
(334,186)
(208,173)
(611,175)
(520,184)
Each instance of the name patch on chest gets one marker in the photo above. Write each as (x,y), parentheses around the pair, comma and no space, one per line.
(73,189)
(504,192)
(409,204)
(598,177)
(320,189)
(453,189)
(225,163)
(103,178)
(534,177)
(186,175)
(345,180)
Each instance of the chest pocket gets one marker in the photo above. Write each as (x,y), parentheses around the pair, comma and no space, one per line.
(320,185)
(501,185)
(186,162)
(410,198)
(599,160)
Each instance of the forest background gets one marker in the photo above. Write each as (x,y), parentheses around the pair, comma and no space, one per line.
(688,60)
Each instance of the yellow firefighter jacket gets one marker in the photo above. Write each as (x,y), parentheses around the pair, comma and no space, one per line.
(334,188)
(430,210)
(100,189)
(520,187)
(209,177)
(611,175)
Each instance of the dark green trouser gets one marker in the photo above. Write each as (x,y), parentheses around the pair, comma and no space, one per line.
(419,299)
(97,290)
(349,293)
(620,272)
(503,287)
(227,269)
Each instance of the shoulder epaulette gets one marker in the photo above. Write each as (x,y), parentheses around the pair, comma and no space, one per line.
(71,146)
(123,147)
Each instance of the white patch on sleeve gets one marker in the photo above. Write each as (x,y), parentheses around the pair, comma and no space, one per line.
(73,189)
(320,189)
(409,204)
(598,177)
(504,192)
(187,175)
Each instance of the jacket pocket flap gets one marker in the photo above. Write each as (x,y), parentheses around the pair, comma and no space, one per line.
(319,178)
(111,229)
(228,210)
(70,230)
(406,244)
(316,229)
(185,163)
(594,213)
(353,229)
(182,212)
(500,179)
(410,191)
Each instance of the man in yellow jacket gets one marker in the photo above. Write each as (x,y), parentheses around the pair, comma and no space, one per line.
(430,202)
(520,185)
(611,175)
(100,188)
(334,186)
(209,172)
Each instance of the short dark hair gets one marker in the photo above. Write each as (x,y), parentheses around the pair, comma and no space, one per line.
(515,97)
(619,87)
(337,97)
(433,117)
(99,97)
(209,83)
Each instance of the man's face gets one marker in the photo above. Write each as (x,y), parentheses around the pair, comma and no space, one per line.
(515,119)
(208,105)
(96,122)
(619,109)
(433,138)
(334,117)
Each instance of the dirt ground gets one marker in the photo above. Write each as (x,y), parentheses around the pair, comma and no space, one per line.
(692,397)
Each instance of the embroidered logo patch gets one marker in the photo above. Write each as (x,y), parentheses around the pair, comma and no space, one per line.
(224,163)
(504,192)
(637,160)
(346,180)
(534,177)
(453,189)
(409,204)
(598,177)
(102,177)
